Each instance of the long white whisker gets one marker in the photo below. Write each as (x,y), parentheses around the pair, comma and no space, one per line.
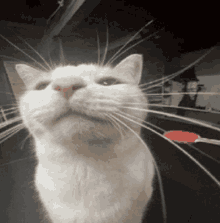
(129,41)
(8,131)
(176,93)
(6,93)
(177,73)
(182,93)
(5,116)
(175,116)
(11,121)
(18,160)
(13,112)
(204,154)
(24,53)
(185,108)
(172,106)
(118,127)
(155,165)
(191,157)
(10,135)
(16,105)
(163,131)
(148,123)
(9,109)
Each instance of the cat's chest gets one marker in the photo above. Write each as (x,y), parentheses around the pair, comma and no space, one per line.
(82,179)
(83,190)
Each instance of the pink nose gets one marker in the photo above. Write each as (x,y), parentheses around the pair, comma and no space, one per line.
(67,92)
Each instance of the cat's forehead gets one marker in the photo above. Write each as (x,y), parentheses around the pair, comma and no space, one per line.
(82,71)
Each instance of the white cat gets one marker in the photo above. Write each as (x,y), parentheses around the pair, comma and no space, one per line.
(92,165)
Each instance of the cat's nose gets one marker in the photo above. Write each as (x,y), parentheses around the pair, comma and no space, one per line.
(67,91)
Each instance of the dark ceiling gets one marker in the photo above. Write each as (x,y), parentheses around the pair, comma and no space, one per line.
(193,23)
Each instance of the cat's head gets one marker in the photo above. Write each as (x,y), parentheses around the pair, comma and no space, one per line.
(82,99)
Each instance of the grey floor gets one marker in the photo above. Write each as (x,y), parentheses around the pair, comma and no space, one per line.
(18,203)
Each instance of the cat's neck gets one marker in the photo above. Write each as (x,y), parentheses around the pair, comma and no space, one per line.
(98,150)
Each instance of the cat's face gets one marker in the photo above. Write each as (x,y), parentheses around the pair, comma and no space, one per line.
(80,100)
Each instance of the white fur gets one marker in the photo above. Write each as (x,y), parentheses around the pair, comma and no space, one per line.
(88,172)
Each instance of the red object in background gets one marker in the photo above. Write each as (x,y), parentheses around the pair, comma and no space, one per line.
(182,137)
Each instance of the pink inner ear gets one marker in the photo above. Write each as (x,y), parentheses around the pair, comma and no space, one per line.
(180,136)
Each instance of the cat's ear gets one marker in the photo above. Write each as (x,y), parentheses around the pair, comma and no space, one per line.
(27,73)
(132,66)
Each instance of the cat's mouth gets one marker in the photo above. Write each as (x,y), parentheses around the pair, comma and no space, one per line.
(70,113)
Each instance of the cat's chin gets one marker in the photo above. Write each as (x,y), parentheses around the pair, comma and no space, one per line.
(72,126)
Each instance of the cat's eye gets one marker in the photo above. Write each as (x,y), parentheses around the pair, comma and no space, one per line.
(109,81)
(42,86)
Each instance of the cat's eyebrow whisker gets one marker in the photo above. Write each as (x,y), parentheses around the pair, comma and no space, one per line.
(98,45)
(11,121)
(62,57)
(192,120)
(155,165)
(24,53)
(161,81)
(133,37)
(132,46)
(21,61)
(49,56)
(137,44)
(106,49)
(51,62)
(164,79)
(178,147)
(35,51)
